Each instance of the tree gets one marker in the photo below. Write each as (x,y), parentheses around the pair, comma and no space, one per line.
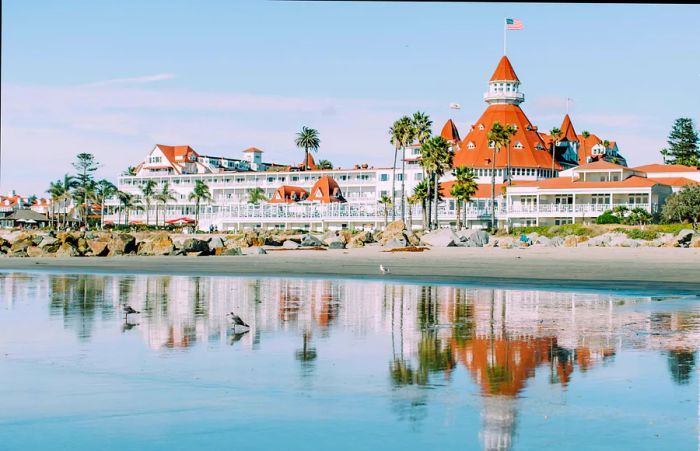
(386,201)
(498,136)
(307,139)
(200,193)
(256,195)
(325,164)
(620,211)
(639,215)
(128,202)
(420,194)
(419,129)
(164,196)
(683,206)
(463,188)
(402,134)
(436,158)
(60,192)
(129,171)
(148,190)
(683,145)
(104,189)
(411,200)
(607,217)
(85,165)
(555,133)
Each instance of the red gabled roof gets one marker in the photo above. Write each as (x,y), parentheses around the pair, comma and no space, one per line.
(601,164)
(171,152)
(675,181)
(326,190)
(666,168)
(253,149)
(310,163)
(566,183)
(449,131)
(504,71)
(527,157)
(567,130)
(288,194)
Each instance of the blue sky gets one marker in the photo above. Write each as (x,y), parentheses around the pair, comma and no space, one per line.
(114,78)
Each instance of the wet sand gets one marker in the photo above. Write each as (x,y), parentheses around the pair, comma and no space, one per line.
(633,269)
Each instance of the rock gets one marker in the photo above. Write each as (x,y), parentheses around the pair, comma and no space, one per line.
(121,244)
(570,241)
(255,250)
(557,241)
(684,237)
(473,237)
(197,254)
(231,251)
(21,243)
(216,243)
(393,230)
(67,250)
(309,240)
(695,242)
(36,239)
(614,239)
(505,242)
(34,251)
(162,244)
(542,241)
(270,240)
(413,239)
(440,238)
(83,247)
(361,239)
(336,243)
(328,237)
(289,244)
(194,245)
(48,241)
(395,243)
(630,243)
(98,248)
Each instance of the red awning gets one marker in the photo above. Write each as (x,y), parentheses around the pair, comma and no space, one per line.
(180,221)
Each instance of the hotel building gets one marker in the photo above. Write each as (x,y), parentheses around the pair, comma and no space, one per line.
(540,179)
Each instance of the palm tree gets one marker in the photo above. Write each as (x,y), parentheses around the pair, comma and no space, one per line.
(164,196)
(411,200)
(420,194)
(147,191)
(66,185)
(620,211)
(131,170)
(421,131)
(463,189)
(508,131)
(399,132)
(307,139)
(256,195)
(497,137)
(199,193)
(436,158)
(555,133)
(640,216)
(104,189)
(128,202)
(324,164)
(387,201)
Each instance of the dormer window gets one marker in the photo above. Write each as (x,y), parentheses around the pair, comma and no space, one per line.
(515,127)
(481,126)
(539,146)
(492,144)
(518,145)
(471,145)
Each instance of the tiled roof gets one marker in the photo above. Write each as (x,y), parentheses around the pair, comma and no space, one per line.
(310,162)
(172,152)
(527,157)
(326,190)
(675,181)
(288,194)
(253,149)
(568,183)
(601,164)
(504,71)
(567,130)
(483,190)
(666,168)
(449,131)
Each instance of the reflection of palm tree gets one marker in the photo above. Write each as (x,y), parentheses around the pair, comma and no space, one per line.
(307,353)
(681,363)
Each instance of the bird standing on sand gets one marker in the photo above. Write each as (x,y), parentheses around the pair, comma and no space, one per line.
(384,270)
(237,321)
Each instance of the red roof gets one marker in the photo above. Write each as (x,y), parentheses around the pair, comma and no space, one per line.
(666,168)
(527,157)
(253,149)
(310,162)
(326,190)
(449,131)
(504,71)
(567,130)
(286,194)
(567,183)
(601,164)
(483,190)
(172,152)
(675,181)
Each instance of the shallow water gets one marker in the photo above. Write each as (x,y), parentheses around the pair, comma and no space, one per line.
(334,364)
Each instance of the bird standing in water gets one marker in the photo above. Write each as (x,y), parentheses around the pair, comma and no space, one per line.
(384,270)
(237,321)
(128,310)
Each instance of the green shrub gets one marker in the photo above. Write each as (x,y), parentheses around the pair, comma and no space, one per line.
(574,229)
(639,234)
(607,218)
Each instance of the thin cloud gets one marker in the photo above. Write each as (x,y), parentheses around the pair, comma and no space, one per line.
(134,80)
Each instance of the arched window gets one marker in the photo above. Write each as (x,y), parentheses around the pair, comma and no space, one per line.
(481,126)
(518,145)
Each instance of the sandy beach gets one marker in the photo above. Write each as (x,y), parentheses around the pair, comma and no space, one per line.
(645,269)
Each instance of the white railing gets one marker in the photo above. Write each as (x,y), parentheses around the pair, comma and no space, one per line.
(578,208)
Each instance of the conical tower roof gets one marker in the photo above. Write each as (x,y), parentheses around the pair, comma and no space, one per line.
(567,130)
(449,131)
(504,71)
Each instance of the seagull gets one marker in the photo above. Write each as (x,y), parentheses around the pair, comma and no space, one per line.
(128,310)
(384,270)
(237,321)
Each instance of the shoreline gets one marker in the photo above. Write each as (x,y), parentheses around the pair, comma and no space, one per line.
(611,269)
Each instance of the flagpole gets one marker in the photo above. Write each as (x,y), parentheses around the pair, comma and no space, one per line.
(504,36)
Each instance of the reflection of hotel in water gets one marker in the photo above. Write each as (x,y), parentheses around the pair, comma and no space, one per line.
(499,336)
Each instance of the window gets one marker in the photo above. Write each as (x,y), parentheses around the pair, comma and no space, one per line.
(491,145)
(399,177)
(600,199)
(418,176)
(295,178)
(471,145)
(481,126)
(384,177)
(383,193)
(518,145)
(638,198)
(155,159)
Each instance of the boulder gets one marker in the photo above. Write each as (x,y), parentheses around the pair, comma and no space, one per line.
(48,241)
(336,243)
(121,244)
(36,239)
(413,239)
(684,237)
(255,250)
(194,245)
(162,244)
(362,238)
(393,230)
(21,243)
(542,241)
(328,237)
(270,240)
(34,251)
(67,250)
(570,241)
(473,237)
(441,238)
(505,242)
(695,242)
(98,248)
(615,239)
(289,244)
(216,242)
(630,243)
(557,241)
(83,247)
(309,240)
(4,245)
(396,243)
(231,251)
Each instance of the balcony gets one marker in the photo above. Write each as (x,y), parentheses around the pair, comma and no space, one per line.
(512,96)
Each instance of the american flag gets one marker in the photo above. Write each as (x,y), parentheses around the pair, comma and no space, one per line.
(514,24)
